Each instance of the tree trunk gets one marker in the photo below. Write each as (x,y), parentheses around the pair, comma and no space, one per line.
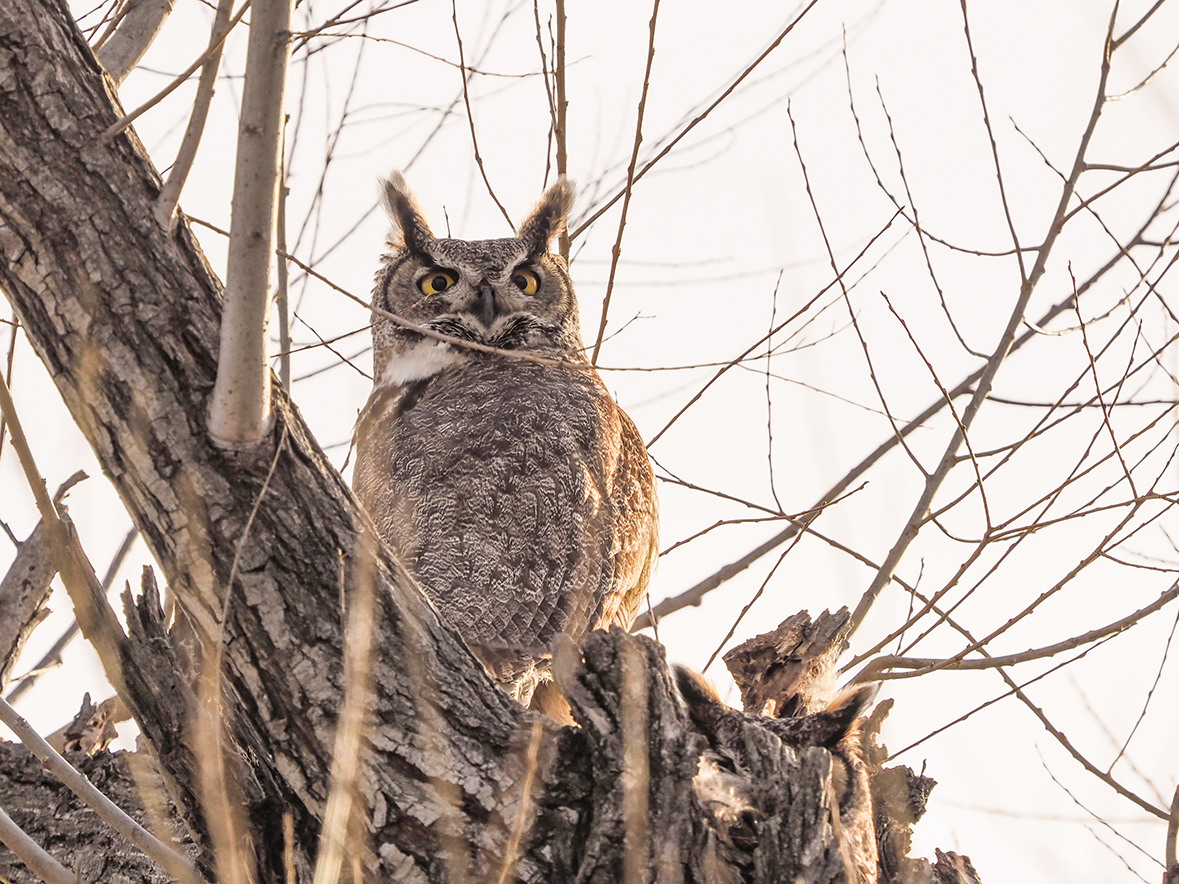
(124,313)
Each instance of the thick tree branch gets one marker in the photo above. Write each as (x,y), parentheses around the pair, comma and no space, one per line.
(124,312)
(239,412)
(176,864)
(31,853)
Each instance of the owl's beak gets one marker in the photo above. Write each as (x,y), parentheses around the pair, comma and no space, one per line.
(487,297)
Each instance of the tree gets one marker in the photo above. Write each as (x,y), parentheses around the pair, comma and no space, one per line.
(123,311)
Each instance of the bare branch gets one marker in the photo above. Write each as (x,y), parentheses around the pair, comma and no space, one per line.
(95,617)
(616,252)
(132,38)
(1171,876)
(25,589)
(471,118)
(698,119)
(987,377)
(178,81)
(878,669)
(52,657)
(239,411)
(560,127)
(170,192)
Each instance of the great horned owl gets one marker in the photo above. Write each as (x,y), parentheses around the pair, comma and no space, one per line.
(515,490)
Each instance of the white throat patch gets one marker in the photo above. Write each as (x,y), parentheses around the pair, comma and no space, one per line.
(422,360)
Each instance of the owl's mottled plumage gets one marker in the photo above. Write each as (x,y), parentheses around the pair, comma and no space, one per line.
(518,494)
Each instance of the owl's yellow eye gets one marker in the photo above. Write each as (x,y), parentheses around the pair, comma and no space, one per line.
(436,281)
(525,280)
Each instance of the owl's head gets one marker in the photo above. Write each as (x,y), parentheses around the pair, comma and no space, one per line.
(511,294)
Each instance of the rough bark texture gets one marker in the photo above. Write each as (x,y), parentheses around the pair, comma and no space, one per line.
(790,670)
(25,589)
(23,594)
(124,313)
(76,837)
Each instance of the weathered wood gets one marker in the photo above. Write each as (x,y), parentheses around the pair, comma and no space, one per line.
(52,815)
(124,314)
(25,589)
(790,670)
(23,593)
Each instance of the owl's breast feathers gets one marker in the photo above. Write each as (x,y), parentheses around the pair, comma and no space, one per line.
(520,496)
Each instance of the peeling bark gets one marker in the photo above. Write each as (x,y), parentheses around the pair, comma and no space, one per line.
(23,593)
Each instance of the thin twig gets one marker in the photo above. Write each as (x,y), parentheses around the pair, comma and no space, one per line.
(922,239)
(548,94)
(339,823)
(52,657)
(1172,845)
(95,616)
(616,251)
(1018,692)
(949,404)
(1158,674)
(880,668)
(127,119)
(524,355)
(560,129)
(281,297)
(732,363)
(1098,818)
(169,196)
(698,119)
(1097,387)
(695,594)
(471,117)
(532,762)
(8,373)
(987,377)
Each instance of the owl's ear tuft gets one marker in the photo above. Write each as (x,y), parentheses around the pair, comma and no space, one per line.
(548,218)
(410,229)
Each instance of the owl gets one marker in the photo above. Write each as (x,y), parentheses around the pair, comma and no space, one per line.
(506,480)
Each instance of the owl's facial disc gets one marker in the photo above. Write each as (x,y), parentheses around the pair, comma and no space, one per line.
(478,289)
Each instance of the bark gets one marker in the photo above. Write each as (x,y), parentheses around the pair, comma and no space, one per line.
(124,312)
(23,594)
(48,811)
(25,590)
(790,670)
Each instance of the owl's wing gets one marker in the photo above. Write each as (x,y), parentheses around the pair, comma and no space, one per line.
(627,527)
